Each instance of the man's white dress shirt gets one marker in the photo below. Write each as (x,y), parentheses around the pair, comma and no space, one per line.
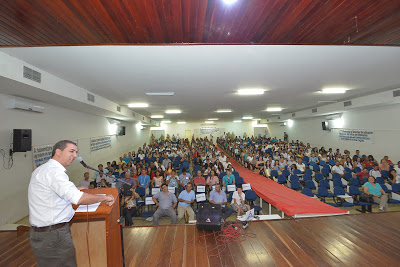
(50,195)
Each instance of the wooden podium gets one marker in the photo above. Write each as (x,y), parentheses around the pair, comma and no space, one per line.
(104,233)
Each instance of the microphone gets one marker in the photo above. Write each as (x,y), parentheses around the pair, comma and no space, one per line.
(80,160)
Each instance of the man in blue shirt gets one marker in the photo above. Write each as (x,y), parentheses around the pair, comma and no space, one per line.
(144,181)
(219,197)
(186,198)
(228,179)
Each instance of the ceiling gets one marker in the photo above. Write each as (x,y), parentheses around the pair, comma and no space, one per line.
(206,50)
(206,77)
(93,22)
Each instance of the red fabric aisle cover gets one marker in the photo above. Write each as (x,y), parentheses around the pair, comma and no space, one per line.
(285,199)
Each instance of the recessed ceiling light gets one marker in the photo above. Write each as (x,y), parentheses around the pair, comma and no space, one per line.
(237,121)
(327,101)
(165,121)
(255,91)
(209,122)
(173,111)
(157,117)
(334,90)
(273,109)
(138,105)
(213,119)
(181,122)
(161,93)
(247,117)
(224,110)
(256,119)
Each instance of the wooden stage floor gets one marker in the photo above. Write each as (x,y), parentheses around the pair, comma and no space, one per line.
(349,240)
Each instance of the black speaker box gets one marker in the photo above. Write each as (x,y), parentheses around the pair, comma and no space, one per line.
(121,130)
(22,140)
(209,217)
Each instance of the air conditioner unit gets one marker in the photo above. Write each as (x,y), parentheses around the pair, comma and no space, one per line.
(25,104)
(334,117)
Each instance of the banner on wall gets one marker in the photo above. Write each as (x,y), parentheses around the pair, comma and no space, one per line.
(361,136)
(100,143)
(41,154)
(209,130)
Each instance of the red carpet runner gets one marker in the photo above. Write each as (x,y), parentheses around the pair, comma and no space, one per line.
(285,199)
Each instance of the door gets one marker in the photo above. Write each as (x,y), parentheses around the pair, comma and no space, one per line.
(188,134)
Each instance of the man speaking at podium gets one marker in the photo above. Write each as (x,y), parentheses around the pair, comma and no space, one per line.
(50,195)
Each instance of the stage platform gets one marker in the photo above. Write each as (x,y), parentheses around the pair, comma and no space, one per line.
(371,239)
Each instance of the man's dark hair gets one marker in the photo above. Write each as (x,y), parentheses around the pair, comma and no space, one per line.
(61,145)
(183,170)
(238,186)
(163,185)
(100,165)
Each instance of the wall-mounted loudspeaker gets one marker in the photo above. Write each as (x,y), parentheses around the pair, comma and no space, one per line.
(22,140)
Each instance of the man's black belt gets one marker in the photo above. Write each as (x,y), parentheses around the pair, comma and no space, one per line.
(49,228)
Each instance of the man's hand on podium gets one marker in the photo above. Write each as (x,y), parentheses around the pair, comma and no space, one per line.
(109,200)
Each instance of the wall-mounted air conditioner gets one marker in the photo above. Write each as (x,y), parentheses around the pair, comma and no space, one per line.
(25,104)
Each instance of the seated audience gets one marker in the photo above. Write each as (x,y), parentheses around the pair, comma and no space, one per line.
(394,177)
(185,178)
(375,189)
(128,203)
(84,184)
(144,181)
(173,180)
(166,203)
(185,199)
(384,166)
(238,201)
(228,179)
(362,175)
(338,169)
(212,179)
(219,197)
(375,172)
(199,179)
(158,180)
(300,166)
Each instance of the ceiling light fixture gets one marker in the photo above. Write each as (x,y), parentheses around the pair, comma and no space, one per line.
(237,121)
(209,122)
(229,2)
(327,101)
(273,109)
(173,111)
(161,93)
(213,119)
(334,90)
(224,110)
(247,117)
(255,91)
(157,116)
(165,121)
(138,105)
(181,122)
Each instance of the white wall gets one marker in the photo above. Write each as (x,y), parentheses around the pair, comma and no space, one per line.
(383,120)
(47,128)
(237,128)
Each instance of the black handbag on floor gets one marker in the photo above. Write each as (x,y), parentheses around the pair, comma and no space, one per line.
(366,198)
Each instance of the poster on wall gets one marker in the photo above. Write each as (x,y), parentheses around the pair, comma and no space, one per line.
(100,143)
(209,130)
(361,136)
(41,154)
